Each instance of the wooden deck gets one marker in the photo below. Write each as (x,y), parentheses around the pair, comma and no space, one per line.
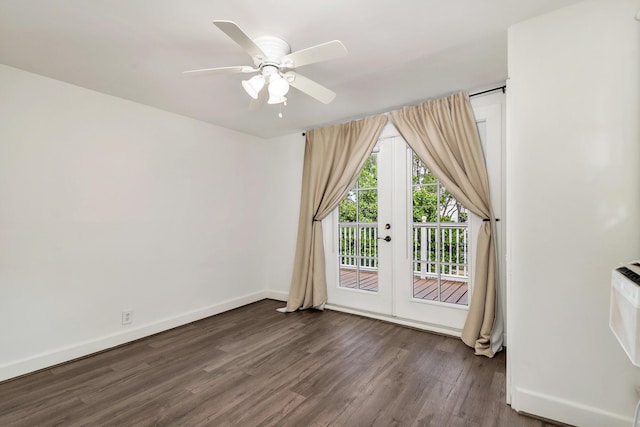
(453,292)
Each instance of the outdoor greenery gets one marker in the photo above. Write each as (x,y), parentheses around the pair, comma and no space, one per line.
(361,203)
(429,199)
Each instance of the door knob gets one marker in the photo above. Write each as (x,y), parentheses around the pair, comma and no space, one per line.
(386,238)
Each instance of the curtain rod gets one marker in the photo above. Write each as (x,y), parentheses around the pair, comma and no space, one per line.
(502,88)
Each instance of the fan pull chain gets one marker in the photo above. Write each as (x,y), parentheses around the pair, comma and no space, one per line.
(280,113)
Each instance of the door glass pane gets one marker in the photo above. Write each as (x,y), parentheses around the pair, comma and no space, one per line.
(369,176)
(368,206)
(440,240)
(358,231)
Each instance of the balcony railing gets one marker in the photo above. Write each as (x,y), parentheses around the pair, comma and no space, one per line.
(441,249)
(438,249)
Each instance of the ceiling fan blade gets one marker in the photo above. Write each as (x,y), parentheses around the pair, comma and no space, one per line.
(222,70)
(313,54)
(311,88)
(234,32)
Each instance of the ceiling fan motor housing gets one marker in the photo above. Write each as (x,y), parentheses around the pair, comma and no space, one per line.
(274,49)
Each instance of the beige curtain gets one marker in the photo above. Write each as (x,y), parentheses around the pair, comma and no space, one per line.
(444,135)
(333,158)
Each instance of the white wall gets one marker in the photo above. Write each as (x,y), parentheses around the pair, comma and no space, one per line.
(106,206)
(284,157)
(574,208)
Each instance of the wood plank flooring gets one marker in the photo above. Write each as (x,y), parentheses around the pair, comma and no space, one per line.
(255,367)
(453,292)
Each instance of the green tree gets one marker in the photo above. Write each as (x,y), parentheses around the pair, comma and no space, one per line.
(426,201)
(361,203)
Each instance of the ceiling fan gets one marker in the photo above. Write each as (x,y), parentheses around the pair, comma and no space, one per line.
(275,64)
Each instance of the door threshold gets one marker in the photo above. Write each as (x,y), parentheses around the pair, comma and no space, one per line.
(429,327)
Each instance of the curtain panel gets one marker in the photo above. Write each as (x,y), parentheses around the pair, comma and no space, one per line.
(444,135)
(333,159)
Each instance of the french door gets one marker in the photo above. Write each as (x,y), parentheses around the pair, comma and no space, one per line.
(400,245)
(361,235)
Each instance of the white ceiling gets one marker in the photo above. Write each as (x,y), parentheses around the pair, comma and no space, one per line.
(400,53)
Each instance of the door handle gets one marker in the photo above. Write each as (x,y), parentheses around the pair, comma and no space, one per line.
(385,238)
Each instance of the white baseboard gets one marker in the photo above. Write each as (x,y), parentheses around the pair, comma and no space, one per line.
(277,295)
(565,411)
(80,349)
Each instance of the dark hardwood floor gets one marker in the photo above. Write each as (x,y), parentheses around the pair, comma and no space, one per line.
(255,367)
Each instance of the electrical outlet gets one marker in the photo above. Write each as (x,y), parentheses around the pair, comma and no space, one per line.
(127,317)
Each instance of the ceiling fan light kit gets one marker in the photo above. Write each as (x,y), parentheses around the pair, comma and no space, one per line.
(278,88)
(275,64)
(277,100)
(254,85)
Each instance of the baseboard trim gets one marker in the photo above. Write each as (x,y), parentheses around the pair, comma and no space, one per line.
(565,411)
(81,349)
(277,295)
